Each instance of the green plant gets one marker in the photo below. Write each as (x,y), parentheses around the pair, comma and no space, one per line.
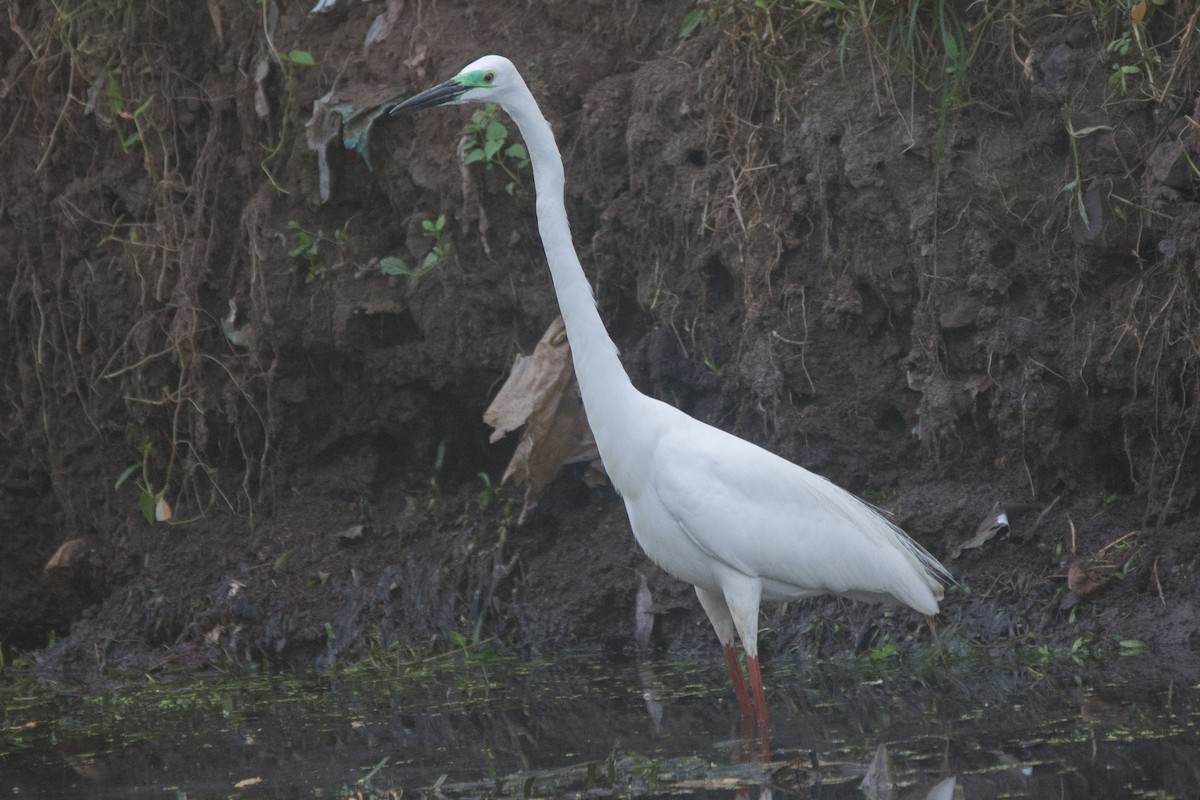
(439,463)
(485,140)
(435,230)
(365,781)
(1106,504)
(302,58)
(1133,52)
(1074,187)
(153,504)
(308,248)
(1080,650)
(1132,647)
(117,108)
(287,61)
(439,250)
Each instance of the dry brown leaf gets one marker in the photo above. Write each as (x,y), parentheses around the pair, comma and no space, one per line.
(214,12)
(1084,581)
(530,381)
(540,394)
(68,554)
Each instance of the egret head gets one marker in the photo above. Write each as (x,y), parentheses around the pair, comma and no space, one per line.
(486,80)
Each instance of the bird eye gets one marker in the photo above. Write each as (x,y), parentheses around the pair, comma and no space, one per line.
(488,77)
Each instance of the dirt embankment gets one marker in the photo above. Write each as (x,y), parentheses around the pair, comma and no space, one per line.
(948,274)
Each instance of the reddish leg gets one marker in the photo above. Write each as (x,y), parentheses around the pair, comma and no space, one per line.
(738,679)
(760,700)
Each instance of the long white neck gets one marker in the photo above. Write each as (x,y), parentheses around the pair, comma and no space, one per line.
(603,383)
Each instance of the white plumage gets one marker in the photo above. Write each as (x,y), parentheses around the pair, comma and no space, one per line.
(739,523)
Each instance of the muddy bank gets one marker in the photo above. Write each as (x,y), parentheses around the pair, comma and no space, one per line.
(955,281)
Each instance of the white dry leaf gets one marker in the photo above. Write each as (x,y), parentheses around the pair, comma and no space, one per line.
(350,534)
(262,67)
(947,789)
(381,26)
(162,510)
(541,395)
(97,97)
(322,128)
(416,62)
(879,783)
(995,522)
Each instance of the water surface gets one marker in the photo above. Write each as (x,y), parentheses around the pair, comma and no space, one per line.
(477,725)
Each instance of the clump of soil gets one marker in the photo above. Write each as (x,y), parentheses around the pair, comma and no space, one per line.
(951,286)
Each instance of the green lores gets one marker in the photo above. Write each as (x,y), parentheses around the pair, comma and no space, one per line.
(476,79)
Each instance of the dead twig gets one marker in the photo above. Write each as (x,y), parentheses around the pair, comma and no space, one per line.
(1157,583)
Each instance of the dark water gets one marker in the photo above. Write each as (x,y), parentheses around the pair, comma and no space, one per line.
(480,726)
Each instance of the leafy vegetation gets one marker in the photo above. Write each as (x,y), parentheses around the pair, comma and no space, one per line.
(1074,188)
(287,61)
(936,41)
(121,115)
(311,249)
(486,142)
(1131,49)
(153,504)
(440,249)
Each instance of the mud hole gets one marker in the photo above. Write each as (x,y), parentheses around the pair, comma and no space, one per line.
(943,290)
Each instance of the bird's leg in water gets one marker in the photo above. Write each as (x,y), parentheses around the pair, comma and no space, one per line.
(760,699)
(738,679)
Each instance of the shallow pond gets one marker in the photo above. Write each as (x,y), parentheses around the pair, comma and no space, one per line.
(476,725)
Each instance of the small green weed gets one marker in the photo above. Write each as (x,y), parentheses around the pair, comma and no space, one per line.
(153,504)
(710,361)
(440,249)
(1074,187)
(309,248)
(1107,504)
(287,62)
(1132,647)
(439,464)
(486,142)
(492,493)
(121,115)
(302,58)
(1132,50)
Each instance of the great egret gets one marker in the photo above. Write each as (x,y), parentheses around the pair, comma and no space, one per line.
(740,524)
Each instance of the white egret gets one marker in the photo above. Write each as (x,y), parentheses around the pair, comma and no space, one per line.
(740,524)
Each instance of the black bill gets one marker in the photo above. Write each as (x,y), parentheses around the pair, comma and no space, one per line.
(438,95)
